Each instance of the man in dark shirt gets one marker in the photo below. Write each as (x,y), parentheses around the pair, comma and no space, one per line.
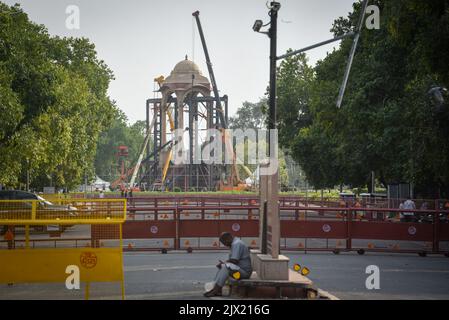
(239,261)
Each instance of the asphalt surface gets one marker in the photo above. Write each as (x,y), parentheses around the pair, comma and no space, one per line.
(152,275)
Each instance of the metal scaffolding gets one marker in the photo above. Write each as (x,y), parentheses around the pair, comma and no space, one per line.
(185,94)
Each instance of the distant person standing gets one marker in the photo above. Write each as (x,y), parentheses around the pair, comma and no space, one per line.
(409,205)
(401,207)
(342,204)
(359,214)
(424,206)
(446,207)
(131,196)
(9,237)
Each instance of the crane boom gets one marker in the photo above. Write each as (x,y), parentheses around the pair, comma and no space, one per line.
(196,14)
(139,160)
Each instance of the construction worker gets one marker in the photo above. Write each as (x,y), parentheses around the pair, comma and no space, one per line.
(408,205)
(342,204)
(239,262)
(9,237)
(446,207)
(359,214)
(130,195)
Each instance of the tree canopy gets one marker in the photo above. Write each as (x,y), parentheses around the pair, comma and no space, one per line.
(249,115)
(386,124)
(120,133)
(53,101)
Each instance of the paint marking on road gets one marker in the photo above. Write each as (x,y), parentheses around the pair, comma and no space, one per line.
(157,296)
(162,268)
(386,270)
(415,270)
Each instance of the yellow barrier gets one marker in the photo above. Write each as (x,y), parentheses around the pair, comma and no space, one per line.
(71,211)
(96,251)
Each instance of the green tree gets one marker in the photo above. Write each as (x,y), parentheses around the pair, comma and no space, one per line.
(119,134)
(294,79)
(385,124)
(53,101)
(249,116)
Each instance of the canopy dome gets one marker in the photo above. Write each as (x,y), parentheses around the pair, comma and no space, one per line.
(182,75)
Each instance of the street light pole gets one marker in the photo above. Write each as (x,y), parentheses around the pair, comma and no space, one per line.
(272,33)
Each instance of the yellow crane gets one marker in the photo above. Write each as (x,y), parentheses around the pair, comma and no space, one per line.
(159,80)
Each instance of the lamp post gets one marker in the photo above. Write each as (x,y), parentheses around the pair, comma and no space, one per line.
(273,185)
(266,232)
(272,34)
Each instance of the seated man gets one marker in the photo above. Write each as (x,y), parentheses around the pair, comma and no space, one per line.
(239,260)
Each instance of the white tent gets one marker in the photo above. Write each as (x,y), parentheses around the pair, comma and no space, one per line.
(97,184)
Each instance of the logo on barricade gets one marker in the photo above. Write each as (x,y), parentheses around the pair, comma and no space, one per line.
(412,231)
(88,260)
(326,228)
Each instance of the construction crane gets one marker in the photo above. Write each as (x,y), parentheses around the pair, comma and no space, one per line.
(159,81)
(121,181)
(234,178)
(196,14)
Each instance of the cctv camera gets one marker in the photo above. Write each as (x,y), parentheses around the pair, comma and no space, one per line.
(275,6)
(257,25)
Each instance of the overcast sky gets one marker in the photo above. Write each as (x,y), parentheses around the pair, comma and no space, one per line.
(142,39)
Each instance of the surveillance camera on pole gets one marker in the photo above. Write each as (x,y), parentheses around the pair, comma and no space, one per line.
(257,25)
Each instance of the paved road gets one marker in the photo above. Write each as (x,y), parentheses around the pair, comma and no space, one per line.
(182,276)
